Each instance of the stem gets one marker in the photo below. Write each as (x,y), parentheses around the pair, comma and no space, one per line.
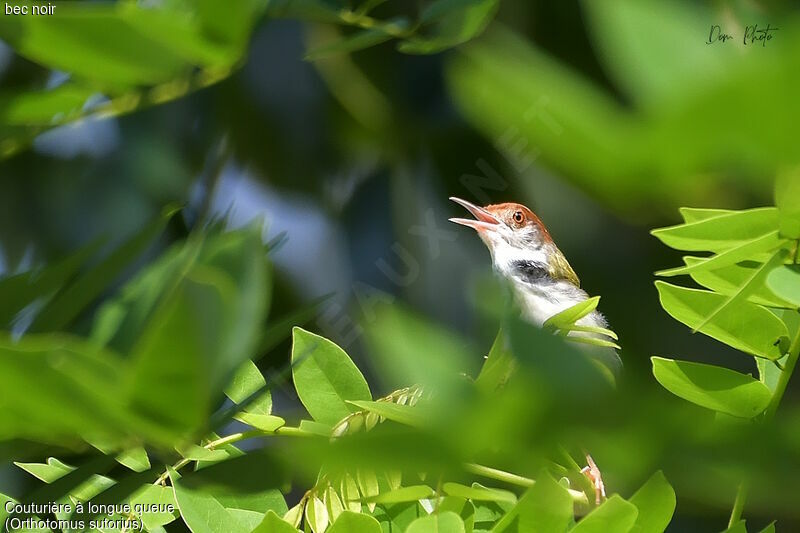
(236,437)
(738,504)
(769,414)
(514,479)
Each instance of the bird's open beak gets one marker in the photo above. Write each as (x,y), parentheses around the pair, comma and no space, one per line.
(484,220)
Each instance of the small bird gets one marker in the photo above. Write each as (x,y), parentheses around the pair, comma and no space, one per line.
(544,283)
(524,253)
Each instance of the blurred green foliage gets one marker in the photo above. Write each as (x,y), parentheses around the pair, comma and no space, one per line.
(145,346)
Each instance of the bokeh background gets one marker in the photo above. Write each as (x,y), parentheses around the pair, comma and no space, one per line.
(603,117)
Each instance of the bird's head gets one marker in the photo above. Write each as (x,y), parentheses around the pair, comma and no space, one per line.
(515,235)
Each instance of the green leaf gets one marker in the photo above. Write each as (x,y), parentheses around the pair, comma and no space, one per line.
(47,472)
(150,497)
(245,488)
(463,508)
(202,512)
(73,299)
(72,378)
(713,387)
(648,47)
(742,252)
(325,377)
(403,414)
(273,523)
(499,365)
(367,484)
(615,514)
(547,506)
(655,501)
(769,372)
(590,329)
(401,343)
(352,43)
(332,503)
(349,522)
(44,108)
(787,198)
(696,214)
(748,287)
(403,494)
(746,326)
(447,522)
(266,423)
(140,46)
(351,497)
(569,316)
(200,453)
(478,493)
(317,515)
(246,382)
(785,282)
(769,529)
(730,279)
(54,470)
(452,22)
(134,458)
(203,325)
(721,233)
(22,289)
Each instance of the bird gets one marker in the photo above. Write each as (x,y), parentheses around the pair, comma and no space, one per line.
(524,253)
(544,284)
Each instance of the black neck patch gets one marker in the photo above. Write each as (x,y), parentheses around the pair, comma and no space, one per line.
(530,271)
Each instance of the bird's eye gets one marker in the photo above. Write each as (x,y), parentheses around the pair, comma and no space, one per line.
(519,217)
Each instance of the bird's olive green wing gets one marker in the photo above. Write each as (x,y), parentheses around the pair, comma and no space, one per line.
(560,269)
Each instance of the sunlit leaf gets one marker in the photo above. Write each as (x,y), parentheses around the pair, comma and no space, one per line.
(404,414)
(746,326)
(655,501)
(202,512)
(731,256)
(785,282)
(273,523)
(572,314)
(151,499)
(696,214)
(317,515)
(720,233)
(135,458)
(246,382)
(713,387)
(356,523)
(403,494)
(547,506)
(478,493)
(728,280)
(266,423)
(615,514)
(755,280)
(325,377)
(447,522)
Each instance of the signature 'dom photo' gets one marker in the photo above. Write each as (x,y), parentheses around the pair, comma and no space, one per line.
(391,266)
